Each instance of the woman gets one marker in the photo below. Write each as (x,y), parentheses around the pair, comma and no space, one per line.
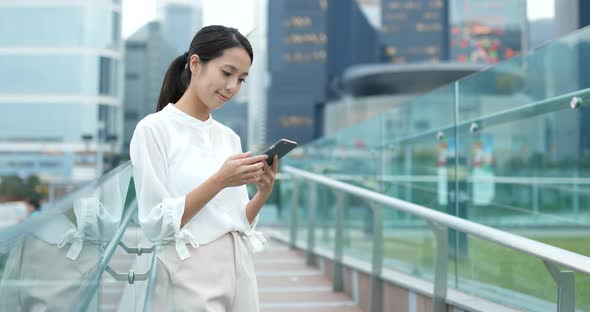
(190,178)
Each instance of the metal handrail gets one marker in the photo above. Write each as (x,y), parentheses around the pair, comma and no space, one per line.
(543,251)
(150,284)
(94,279)
(9,236)
(573,100)
(525,180)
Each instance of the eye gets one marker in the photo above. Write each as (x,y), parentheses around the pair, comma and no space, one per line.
(241,80)
(226,74)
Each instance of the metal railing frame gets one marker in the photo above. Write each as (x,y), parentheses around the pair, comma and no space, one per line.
(440,223)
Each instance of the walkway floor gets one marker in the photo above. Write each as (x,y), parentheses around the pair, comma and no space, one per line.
(286,284)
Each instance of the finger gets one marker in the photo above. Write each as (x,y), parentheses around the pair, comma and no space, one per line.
(255,179)
(252,175)
(253,168)
(253,159)
(275,164)
(265,166)
(241,155)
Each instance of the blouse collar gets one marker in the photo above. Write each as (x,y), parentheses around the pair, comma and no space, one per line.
(173,111)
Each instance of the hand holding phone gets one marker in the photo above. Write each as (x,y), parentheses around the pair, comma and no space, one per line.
(279,148)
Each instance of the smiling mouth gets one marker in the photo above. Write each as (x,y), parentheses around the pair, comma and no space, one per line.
(225,99)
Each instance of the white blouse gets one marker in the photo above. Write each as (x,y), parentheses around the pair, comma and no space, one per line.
(172,153)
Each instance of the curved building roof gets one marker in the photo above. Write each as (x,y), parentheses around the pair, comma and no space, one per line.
(417,78)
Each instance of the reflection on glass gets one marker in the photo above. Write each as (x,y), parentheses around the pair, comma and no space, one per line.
(505,147)
(55,252)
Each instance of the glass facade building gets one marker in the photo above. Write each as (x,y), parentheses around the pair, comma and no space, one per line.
(310,43)
(414,30)
(484,31)
(148,53)
(60,82)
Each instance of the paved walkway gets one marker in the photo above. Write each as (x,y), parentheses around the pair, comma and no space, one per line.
(286,284)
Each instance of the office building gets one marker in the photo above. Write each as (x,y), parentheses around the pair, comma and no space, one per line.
(148,53)
(310,44)
(414,31)
(486,31)
(60,88)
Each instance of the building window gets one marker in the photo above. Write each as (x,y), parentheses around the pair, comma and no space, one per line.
(131,76)
(131,115)
(108,76)
(104,87)
(107,118)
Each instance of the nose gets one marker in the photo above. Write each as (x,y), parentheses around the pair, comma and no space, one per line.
(232,85)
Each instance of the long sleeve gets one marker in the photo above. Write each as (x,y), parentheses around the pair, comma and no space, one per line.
(159,211)
(256,239)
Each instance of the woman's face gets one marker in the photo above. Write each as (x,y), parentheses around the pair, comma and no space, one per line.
(221,78)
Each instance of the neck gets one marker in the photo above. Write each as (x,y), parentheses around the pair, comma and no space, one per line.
(191,105)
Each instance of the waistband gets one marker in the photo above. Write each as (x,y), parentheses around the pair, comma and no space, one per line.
(254,240)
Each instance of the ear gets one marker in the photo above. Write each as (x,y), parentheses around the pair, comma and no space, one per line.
(194,63)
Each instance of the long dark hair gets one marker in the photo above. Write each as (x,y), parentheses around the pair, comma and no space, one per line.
(208,43)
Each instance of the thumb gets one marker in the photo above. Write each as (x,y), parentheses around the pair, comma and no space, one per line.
(241,155)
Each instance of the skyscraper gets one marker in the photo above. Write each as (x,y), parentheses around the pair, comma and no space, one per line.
(486,31)
(414,30)
(60,87)
(147,56)
(571,15)
(297,66)
(180,23)
(148,53)
(258,79)
(311,42)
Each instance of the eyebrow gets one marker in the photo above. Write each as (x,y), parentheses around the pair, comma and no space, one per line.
(235,69)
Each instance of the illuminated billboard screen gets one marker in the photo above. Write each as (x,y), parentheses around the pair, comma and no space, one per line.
(413,30)
(486,31)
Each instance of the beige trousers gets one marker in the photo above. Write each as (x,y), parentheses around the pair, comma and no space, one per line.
(218,276)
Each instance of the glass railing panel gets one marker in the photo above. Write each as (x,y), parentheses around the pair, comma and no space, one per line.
(416,166)
(50,259)
(419,168)
(409,249)
(507,147)
(528,171)
(277,212)
(325,218)
(506,276)
(523,148)
(358,229)
(552,70)
(274,212)
(352,155)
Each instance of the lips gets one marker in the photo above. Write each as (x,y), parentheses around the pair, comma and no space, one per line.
(222,97)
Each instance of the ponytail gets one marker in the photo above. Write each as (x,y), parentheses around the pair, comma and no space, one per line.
(175,82)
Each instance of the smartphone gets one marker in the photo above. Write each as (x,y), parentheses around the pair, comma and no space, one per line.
(280,148)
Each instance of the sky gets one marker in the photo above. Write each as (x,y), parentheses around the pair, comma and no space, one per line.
(240,13)
(232,13)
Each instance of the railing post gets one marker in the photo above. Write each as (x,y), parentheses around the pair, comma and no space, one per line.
(535,198)
(294,213)
(376,303)
(440,267)
(311,222)
(566,289)
(338,280)
(576,195)
(408,173)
